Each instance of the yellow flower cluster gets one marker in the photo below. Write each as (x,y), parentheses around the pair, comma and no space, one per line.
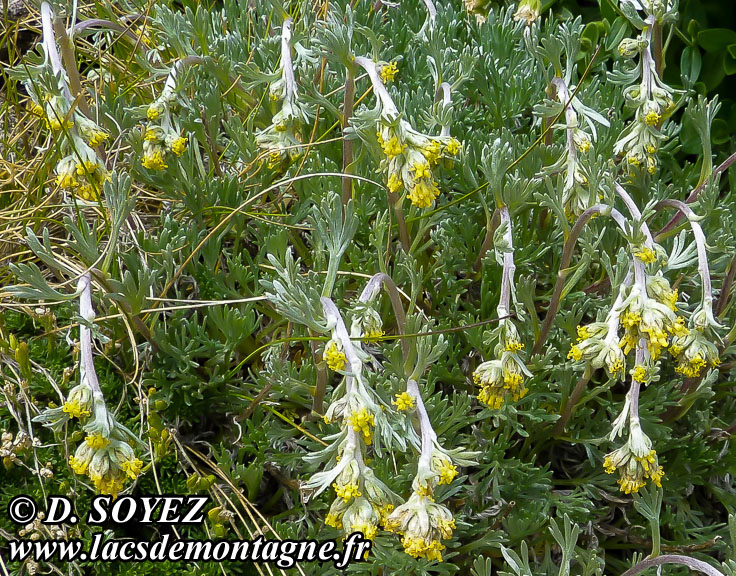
(105,455)
(78,403)
(360,510)
(82,172)
(693,352)
(367,322)
(404,402)
(411,157)
(159,140)
(334,356)
(362,422)
(389,71)
(634,470)
(646,255)
(347,491)
(653,320)
(598,345)
(505,375)
(422,524)
(652,99)
(107,462)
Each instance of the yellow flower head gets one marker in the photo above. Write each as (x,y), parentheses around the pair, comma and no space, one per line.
(75,410)
(36,109)
(78,465)
(652,118)
(404,402)
(453,147)
(575,353)
(362,421)
(395,183)
(155,109)
(97,441)
(389,71)
(432,152)
(154,160)
(153,134)
(347,491)
(333,520)
(179,145)
(422,195)
(98,137)
(132,468)
(646,255)
(336,359)
(447,472)
(108,484)
(514,346)
(89,192)
(393,147)
(421,170)
(630,319)
(639,374)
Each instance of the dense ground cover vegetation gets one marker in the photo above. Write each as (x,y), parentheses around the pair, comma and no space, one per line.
(456,276)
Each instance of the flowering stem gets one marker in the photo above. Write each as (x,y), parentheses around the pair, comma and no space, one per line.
(388,109)
(176,68)
(432,12)
(387,104)
(444,91)
(427,432)
(334,318)
(571,119)
(49,46)
(287,65)
(634,211)
(67,54)
(507,279)
(102,23)
(648,67)
(703,268)
(86,362)
(567,252)
(636,385)
(691,563)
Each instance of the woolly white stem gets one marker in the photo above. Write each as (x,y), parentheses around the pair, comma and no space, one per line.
(640,357)
(50,48)
(700,243)
(287,65)
(648,68)
(334,319)
(432,11)
(635,212)
(86,363)
(507,279)
(446,102)
(571,119)
(691,563)
(428,434)
(387,103)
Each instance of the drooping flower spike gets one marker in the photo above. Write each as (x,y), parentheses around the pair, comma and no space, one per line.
(410,157)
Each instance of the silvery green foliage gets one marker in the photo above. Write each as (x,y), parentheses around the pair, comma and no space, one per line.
(454,376)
